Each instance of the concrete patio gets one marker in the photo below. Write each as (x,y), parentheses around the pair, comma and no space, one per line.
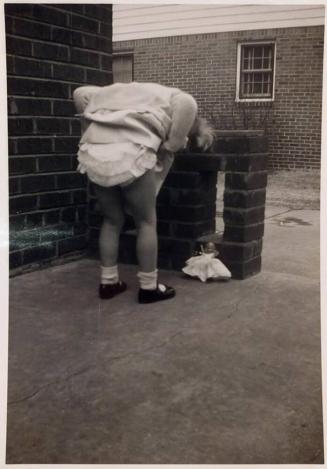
(226,373)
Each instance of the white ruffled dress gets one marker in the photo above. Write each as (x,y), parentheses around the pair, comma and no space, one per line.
(124,125)
(112,164)
(118,156)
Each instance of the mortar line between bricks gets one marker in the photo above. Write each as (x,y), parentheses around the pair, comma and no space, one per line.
(247,172)
(52,153)
(58,44)
(71,13)
(52,62)
(35,39)
(53,191)
(50,80)
(28,155)
(46,98)
(66,28)
(26,116)
(226,156)
(46,173)
(45,192)
(49,210)
(94,51)
(40,136)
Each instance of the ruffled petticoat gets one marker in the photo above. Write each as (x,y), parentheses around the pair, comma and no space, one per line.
(113,164)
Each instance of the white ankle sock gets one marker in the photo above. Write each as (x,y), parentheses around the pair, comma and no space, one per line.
(148,280)
(109,275)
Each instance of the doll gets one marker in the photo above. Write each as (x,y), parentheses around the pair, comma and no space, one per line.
(206,266)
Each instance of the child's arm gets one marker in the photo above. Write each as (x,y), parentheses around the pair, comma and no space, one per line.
(184,111)
(82,96)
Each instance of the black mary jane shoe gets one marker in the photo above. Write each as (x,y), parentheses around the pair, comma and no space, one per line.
(159,294)
(109,291)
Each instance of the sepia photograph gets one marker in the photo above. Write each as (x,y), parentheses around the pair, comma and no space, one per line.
(164,193)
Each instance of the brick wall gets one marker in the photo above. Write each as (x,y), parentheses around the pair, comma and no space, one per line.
(51,49)
(186,207)
(205,65)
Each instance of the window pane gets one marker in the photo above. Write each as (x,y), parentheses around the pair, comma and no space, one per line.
(256,74)
(266,63)
(257,87)
(258,51)
(258,77)
(257,64)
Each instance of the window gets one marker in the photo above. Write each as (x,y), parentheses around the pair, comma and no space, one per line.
(122,67)
(256,67)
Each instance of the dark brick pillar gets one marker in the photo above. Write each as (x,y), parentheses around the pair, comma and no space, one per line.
(245,162)
(51,49)
(186,210)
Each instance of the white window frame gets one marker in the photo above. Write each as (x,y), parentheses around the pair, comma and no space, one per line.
(238,72)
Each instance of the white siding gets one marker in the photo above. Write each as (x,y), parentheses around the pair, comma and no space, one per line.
(139,21)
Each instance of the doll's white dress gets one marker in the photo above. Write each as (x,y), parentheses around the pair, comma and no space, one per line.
(206,266)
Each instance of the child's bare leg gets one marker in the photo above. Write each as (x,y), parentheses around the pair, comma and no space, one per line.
(141,198)
(111,203)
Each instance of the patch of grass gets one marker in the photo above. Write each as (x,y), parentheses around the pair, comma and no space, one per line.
(294,189)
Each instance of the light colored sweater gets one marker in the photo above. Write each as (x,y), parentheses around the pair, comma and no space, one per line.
(143,113)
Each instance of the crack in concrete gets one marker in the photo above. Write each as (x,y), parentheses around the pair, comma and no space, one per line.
(278,214)
(55,381)
(87,368)
(238,304)
(153,347)
(235,310)
(30,396)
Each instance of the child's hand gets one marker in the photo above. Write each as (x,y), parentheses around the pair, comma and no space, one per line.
(163,150)
(204,141)
(165,146)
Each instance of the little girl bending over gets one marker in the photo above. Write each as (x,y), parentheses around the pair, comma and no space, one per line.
(130,132)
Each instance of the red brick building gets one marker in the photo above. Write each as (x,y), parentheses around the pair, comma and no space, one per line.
(248,66)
